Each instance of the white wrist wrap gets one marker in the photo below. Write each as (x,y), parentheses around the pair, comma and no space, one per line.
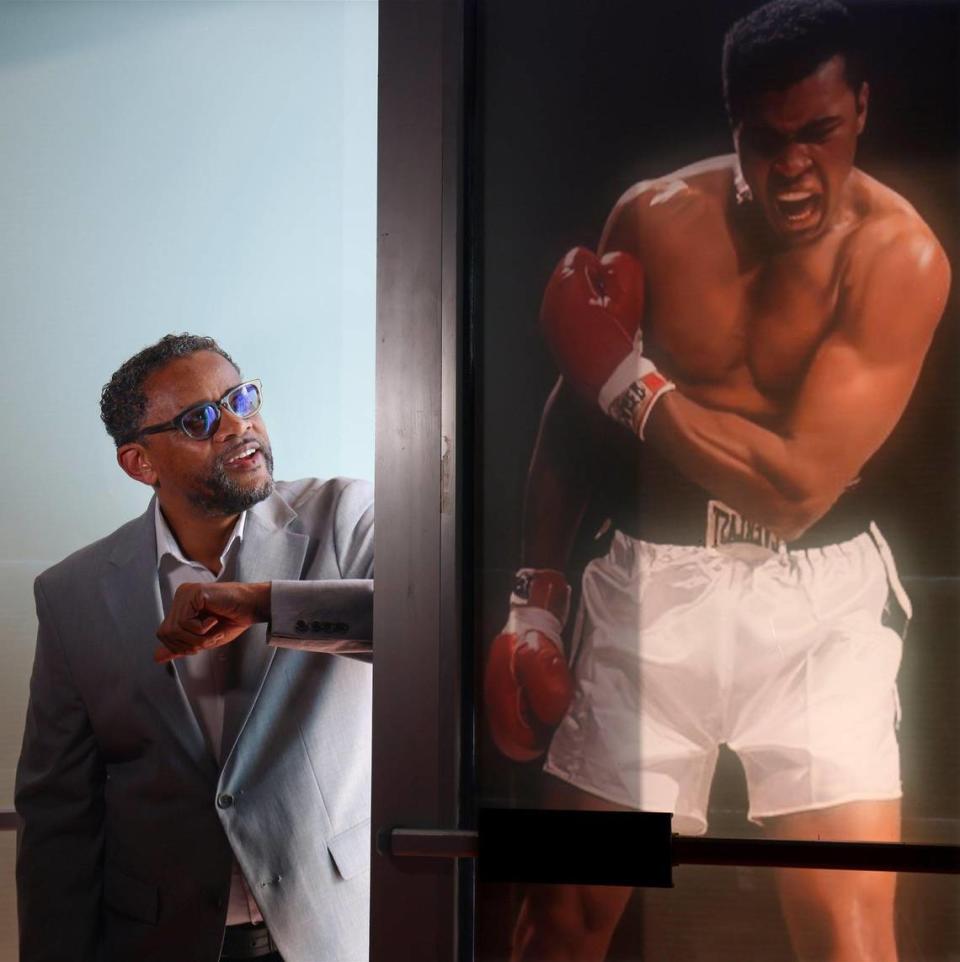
(540,601)
(522,620)
(632,390)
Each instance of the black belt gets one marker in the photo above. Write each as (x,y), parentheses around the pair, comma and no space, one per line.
(687,525)
(247,942)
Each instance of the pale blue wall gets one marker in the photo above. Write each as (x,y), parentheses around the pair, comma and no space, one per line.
(170,166)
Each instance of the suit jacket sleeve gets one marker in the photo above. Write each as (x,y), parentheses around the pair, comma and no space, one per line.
(333,616)
(59,797)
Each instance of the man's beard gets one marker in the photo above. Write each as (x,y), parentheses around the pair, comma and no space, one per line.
(219,494)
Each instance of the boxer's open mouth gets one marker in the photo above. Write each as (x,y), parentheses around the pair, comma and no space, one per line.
(800,209)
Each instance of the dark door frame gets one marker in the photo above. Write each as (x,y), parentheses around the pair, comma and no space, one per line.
(418,721)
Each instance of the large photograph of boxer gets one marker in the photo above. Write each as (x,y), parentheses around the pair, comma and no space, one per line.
(717,488)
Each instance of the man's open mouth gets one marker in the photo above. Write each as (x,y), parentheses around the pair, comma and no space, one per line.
(799,209)
(244,457)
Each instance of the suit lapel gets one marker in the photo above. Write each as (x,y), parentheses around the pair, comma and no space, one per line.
(272,550)
(132,590)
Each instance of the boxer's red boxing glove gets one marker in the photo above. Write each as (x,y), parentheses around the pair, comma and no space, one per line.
(527,688)
(591,315)
(591,311)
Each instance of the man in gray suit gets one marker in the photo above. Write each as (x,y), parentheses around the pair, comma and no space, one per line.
(187,809)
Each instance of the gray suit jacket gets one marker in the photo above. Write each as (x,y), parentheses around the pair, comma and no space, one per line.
(129,827)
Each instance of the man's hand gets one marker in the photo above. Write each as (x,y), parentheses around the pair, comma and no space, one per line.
(210,615)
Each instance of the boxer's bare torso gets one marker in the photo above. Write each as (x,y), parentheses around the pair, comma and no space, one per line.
(793,361)
(732,319)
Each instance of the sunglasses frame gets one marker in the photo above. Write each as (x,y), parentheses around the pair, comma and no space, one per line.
(176,422)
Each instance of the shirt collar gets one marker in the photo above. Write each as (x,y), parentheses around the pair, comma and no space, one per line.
(167,543)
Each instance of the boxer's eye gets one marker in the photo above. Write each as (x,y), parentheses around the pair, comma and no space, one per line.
(763,140)
(819,132)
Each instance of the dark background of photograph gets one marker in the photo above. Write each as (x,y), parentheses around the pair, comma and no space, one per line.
(575,102)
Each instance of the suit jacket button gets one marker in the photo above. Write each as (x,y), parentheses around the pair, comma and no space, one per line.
(301,626)
(225,800)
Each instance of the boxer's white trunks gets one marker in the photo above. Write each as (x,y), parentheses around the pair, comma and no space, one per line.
(782,655)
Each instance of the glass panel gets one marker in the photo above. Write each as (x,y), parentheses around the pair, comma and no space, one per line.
(748,499)
(727,914)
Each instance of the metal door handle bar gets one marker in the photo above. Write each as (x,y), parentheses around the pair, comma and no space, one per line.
(862,856)
(432,843)
(637,849)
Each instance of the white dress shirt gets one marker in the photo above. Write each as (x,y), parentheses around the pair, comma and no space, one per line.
(210,678)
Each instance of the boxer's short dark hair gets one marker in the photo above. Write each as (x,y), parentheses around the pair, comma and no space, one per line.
(782,42)
(123,402)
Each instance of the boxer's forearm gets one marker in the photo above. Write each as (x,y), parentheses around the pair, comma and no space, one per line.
(553,510)
(557,490)
(774,480)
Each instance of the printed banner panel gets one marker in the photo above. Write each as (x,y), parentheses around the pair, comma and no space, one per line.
(717,540)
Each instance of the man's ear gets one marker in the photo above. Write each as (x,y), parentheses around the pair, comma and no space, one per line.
(135,460)
(863,98)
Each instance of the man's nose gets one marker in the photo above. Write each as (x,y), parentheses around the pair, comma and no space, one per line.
(231,425)
(792,161)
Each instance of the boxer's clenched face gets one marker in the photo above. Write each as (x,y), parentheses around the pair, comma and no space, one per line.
(221,475)
(796,150)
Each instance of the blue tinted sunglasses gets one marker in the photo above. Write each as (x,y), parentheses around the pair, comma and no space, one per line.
(201,420)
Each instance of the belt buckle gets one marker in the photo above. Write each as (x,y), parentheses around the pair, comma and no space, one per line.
(247,942)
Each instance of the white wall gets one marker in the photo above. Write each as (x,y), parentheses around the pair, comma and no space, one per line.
(172,166)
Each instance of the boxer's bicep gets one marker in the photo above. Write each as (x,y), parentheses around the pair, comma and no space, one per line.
(846,409)
(863,374)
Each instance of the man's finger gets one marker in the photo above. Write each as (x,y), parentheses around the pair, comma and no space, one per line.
(198,601)
(164,654)
(190,630)
(177,638)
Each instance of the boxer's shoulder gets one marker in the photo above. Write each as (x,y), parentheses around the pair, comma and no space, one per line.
(884,216)
(696,193)
(890,235)
(705,182)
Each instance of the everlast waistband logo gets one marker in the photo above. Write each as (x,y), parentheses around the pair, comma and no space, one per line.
(726,526)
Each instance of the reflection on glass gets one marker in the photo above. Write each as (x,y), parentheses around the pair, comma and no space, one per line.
(732,914)
(704,574)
